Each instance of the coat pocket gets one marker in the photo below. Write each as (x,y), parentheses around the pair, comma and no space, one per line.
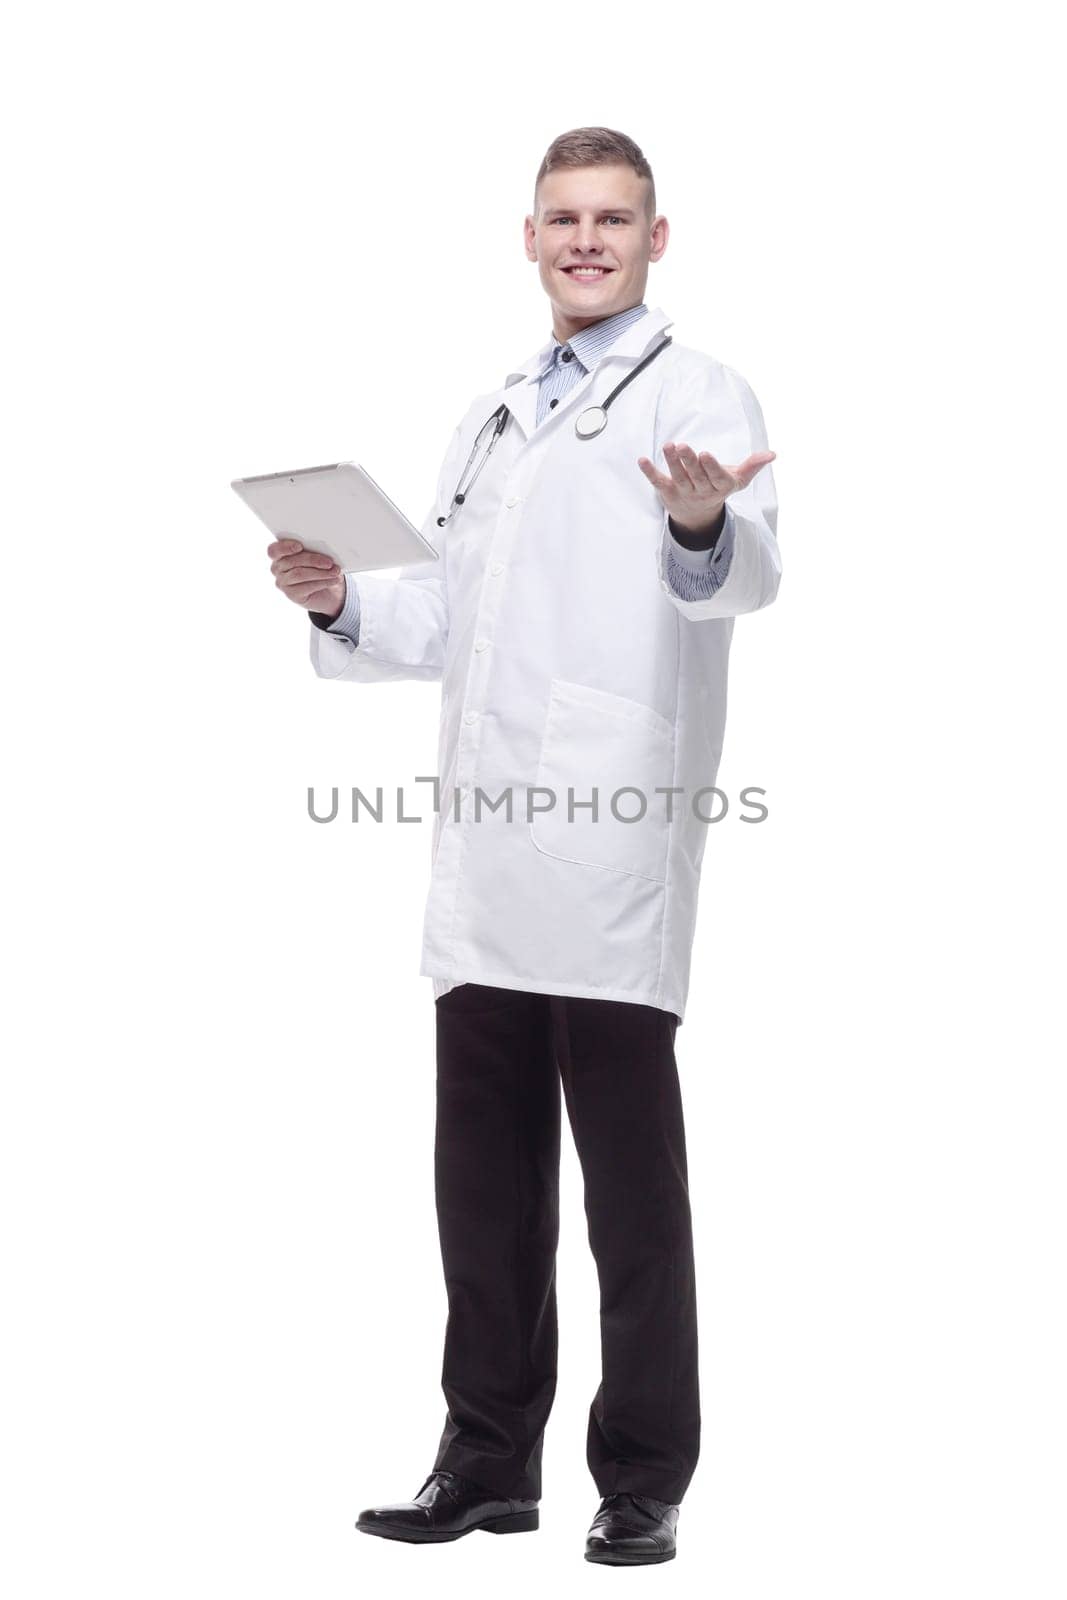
(602,745)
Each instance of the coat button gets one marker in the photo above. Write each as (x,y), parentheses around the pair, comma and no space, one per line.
(513,500)
(480,644)
(497,568)
(472,716)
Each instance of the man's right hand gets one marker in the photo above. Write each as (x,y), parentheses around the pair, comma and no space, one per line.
(308,579)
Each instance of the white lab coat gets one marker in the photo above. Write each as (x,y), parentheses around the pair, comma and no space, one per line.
(567,661)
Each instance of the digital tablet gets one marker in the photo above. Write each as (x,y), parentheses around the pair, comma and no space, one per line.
(339,511)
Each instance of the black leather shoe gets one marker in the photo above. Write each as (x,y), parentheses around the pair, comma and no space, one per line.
(446,1507)
(631,1530)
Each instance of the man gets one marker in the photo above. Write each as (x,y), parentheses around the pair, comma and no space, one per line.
(579,619)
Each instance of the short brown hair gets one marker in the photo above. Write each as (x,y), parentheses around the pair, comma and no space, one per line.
(597,147)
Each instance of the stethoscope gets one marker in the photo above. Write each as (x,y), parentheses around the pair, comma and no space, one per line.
(591,422)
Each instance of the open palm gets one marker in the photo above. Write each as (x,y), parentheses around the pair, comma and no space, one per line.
(696,486)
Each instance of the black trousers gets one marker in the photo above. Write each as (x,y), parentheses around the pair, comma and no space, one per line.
(501,1056)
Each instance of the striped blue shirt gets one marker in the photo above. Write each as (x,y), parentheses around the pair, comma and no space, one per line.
(692,574)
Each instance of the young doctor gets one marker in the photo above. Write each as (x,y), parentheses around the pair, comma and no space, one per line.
(600,520)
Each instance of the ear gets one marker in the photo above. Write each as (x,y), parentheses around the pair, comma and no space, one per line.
(529,236)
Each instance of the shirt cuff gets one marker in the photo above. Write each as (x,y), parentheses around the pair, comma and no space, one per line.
(691,560)
(698,574)
(346,621)
(718,551)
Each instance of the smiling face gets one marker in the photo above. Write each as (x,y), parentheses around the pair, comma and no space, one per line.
(593,218)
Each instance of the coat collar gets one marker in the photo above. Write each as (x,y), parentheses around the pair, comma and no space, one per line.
(520,387)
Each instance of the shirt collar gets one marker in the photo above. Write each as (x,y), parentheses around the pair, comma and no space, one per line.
(591,343)
(633,342)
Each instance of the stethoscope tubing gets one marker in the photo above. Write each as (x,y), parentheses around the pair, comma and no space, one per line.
(500,417)
(594,417)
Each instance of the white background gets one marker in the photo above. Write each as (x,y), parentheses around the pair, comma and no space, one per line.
(248,237)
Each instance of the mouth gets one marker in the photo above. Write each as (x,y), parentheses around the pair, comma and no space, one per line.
(588,274)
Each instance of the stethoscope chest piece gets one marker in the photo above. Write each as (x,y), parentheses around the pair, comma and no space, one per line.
(591,422)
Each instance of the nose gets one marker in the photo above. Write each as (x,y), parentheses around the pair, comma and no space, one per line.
(587,237)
